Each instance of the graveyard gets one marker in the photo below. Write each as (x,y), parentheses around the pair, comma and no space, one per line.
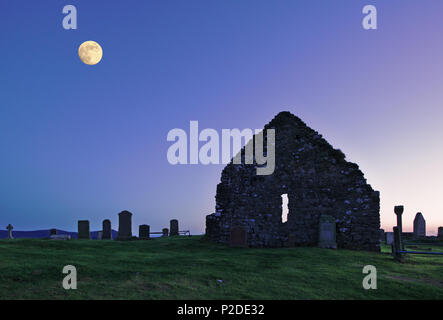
(331,233)
(189,267)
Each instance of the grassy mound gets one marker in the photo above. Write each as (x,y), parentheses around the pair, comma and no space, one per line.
(190,268)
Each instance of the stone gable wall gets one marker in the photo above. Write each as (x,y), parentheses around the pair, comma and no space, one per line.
(318,181)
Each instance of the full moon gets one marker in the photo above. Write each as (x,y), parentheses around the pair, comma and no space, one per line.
(90,52)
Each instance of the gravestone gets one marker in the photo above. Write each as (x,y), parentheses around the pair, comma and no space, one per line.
(326,236)
(83,229)
(52,232)
(398,210)
(99,235)
(143,232)
(165,232)
(9,228)
(419,226)
(173,224)
(124,225)
(238,237)
(382,235)
(107,231)
(440,233)
(389,238)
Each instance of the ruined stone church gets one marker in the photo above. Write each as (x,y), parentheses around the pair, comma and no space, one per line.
(315,178)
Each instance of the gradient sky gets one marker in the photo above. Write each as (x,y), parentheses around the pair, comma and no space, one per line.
(86,142)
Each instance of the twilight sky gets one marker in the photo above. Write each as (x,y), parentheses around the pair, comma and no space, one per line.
(86,142)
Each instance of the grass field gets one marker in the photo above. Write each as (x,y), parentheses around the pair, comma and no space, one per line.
(189,268)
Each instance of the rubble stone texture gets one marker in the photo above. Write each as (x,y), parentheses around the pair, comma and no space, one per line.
(317,179)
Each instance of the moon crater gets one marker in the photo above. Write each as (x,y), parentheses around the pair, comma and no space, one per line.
(90,52)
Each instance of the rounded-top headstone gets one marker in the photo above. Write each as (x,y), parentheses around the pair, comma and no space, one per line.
(165,232)
(106,228)
(173,224)
(419,225)
(143,232)
(124,225)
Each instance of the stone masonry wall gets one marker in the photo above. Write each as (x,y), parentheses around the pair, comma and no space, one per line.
(317,179)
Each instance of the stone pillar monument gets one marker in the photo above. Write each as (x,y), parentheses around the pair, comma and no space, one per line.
(173,225)
(107,231)
(9,228)
(124,225)
(399,211)
(83,229)
(419,226)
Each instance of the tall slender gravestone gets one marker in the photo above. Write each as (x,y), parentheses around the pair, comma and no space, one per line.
(124,225)
(165,232)
(440,233)
(326,235)
(398,210)
(143,232)
(173,224)
(419,226)
(83,229)
(9,228)
(107,231)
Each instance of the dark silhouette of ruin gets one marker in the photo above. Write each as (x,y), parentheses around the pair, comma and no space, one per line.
(317,180)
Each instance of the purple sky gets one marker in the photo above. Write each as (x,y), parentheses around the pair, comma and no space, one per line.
(82,142)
